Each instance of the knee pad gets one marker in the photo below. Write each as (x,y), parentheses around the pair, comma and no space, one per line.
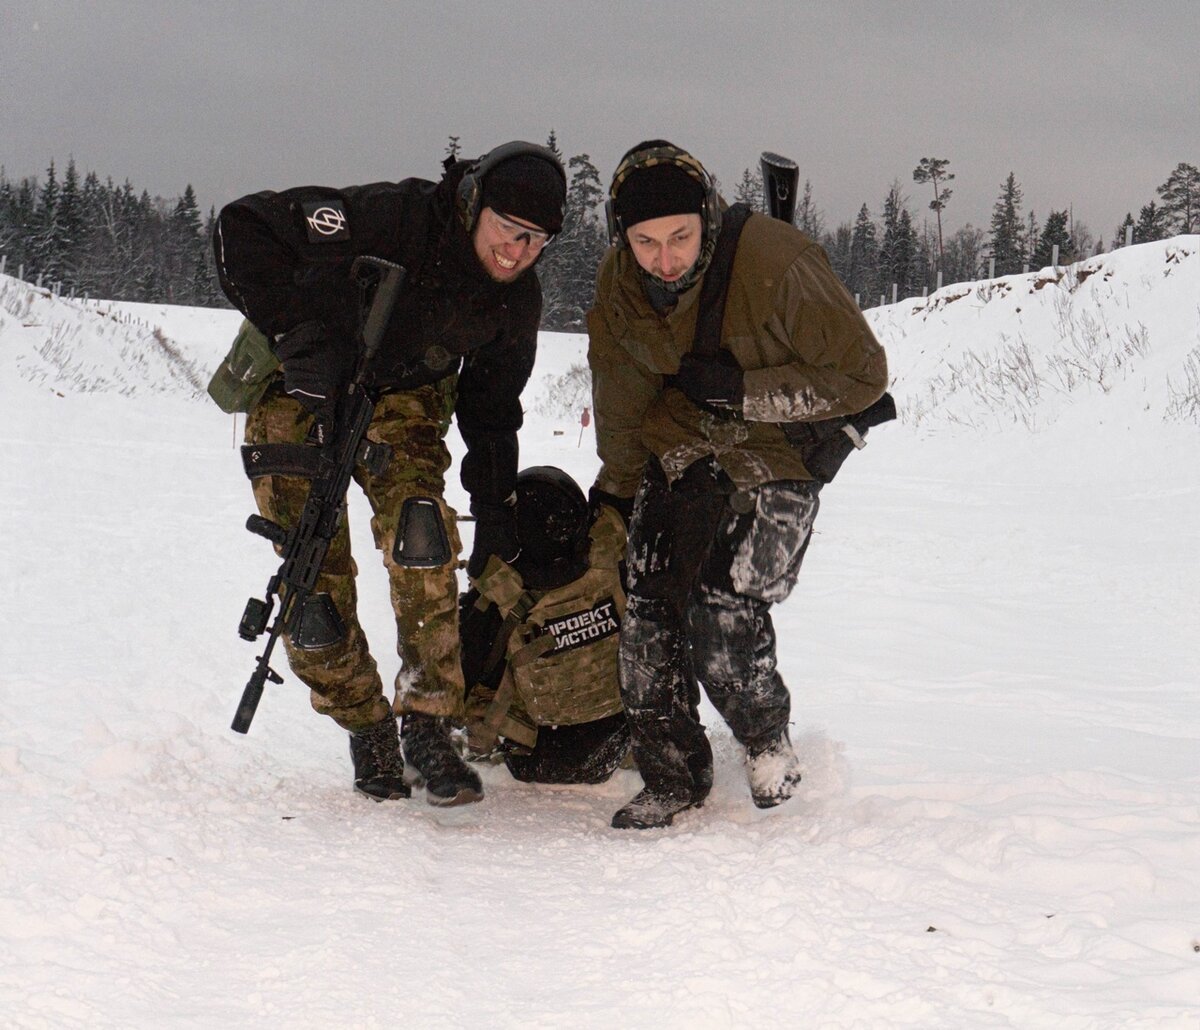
(421,539)
(320,624)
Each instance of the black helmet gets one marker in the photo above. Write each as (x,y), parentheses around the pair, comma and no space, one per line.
(552,525)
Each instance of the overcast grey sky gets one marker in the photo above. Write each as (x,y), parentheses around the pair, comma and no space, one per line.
(1089,104)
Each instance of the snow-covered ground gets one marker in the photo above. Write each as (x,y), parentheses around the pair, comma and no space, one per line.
(992,654)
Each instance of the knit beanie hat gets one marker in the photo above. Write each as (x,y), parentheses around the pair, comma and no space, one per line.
(527,187)
(657,190)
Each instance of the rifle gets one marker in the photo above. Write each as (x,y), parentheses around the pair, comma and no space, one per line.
(306,544)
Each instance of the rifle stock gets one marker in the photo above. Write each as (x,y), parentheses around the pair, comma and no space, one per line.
(306,544)
(780,177)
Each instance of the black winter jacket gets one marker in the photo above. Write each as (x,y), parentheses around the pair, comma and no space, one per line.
(284,259)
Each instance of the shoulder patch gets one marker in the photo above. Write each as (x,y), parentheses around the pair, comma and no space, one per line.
(326,220)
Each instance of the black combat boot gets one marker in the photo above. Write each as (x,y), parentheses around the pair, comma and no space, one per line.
(429,750)
(378,765)
(651,809)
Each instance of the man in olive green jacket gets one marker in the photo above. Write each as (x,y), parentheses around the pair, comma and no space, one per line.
(724,502)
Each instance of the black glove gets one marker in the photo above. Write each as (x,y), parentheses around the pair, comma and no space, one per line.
(316,370)
(495,533)
(710,383)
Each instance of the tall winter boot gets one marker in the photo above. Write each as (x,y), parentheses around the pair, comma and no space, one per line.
(378,765)
(429,750)
(773,770)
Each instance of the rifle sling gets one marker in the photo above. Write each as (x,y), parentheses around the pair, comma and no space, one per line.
(715,288)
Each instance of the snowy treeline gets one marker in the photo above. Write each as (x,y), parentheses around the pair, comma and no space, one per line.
(87,237)
(897,250)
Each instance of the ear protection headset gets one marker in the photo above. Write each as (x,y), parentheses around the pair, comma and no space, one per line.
(658,153)
(470,189)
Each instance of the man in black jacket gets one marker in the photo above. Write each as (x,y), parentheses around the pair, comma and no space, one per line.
(461,341)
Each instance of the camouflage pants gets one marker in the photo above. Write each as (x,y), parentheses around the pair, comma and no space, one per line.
(343,677)
(702,579)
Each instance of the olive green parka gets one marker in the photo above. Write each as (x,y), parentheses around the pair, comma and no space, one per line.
(805,349)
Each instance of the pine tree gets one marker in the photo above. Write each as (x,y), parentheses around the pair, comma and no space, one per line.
(837,245)
(185,265)
(885,272)
(1054,233)
(212,296)
(1119,235)
(69,228)
(922,269)
(1181,198)
(1152,224)
(568,268)
(964,255)
(808,219)
(18,212)
(105,241)
(898,250)
(552,145)
(100,261)
(1006,241)
(452,148)
(9,230)
(44,241)
(750,191)
(933,170)
(864,253)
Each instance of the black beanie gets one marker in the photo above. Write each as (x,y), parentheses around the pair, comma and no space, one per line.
(656,191)
(527,187)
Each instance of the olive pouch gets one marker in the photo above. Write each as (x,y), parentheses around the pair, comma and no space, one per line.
(242,377)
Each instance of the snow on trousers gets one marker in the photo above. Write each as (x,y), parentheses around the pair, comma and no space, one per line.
(702,579)
(343,677)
